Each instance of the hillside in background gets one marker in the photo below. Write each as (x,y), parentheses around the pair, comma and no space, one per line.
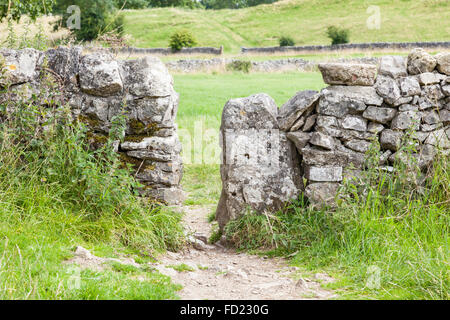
(303,20)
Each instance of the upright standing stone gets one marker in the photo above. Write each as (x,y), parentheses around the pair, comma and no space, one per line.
(260,167)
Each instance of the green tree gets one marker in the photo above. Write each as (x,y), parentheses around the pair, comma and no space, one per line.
(96,17)
(14,9)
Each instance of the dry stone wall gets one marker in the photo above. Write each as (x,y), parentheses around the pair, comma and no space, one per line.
(329,132)
(97,87)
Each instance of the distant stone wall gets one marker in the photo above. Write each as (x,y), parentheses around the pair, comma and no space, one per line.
(347,46)
(265,66)
(322,137)
(97,88)
(168,51)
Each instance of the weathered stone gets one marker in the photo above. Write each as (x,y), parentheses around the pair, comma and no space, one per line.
(146,77)
(420,61)
(430,127)
(406,120)
(430,117)
(99,75)
(20,66)
(443,63)
(322,140)
(354,123)
(300,139)
(391,139)
(380,115)
(309,123)
(316,157)
(393,66)
(388,89)
(66,63)
(446,90)
(385,156)
(409,86)
(292,110)
(298,124)
(408,107)
(323,174)
(358,145)
(433,93)
(168,195)
(429,78)
(342,96)
(327,121)
(322,194)
(375,127)
(348,74)
(260,166)
(444,116)
(439,138)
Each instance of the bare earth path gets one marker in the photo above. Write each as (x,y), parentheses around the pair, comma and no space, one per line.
(221,273)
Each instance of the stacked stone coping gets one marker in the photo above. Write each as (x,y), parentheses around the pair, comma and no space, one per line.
(97,87)
(333,129)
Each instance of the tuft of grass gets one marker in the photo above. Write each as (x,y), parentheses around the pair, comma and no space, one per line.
(182,268)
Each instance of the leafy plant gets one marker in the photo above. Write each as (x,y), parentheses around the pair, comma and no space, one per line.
(286,42)
(240,65)
(338,35)
(182,39)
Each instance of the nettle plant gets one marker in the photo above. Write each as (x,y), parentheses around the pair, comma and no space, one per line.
(40,133)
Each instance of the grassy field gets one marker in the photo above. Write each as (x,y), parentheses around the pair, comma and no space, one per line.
(303,20)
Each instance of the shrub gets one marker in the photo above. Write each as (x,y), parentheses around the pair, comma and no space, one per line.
(182,39)
(286,42)
(97,18)
(240,65)
(338,35)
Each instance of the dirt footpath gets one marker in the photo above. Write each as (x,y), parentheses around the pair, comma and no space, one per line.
(215,273)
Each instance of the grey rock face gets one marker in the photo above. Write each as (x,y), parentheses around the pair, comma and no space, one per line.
(324,174)
(21,65)
(406,120)
(388,89)
(99,75)
(380,115)
(393,66)
(348,74)
(391,139)
(354,123)
(303,102)
(443,63)
(146,77)
(260,167)
(429,78)
(322,194)
(358,145)
(410,86)
(300,139)
(420,61)
(321,140)
(366,95)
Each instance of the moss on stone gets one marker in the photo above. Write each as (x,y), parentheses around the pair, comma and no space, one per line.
(139,128)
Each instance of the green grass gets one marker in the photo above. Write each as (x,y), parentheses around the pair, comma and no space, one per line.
(202,98)
(303,20)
